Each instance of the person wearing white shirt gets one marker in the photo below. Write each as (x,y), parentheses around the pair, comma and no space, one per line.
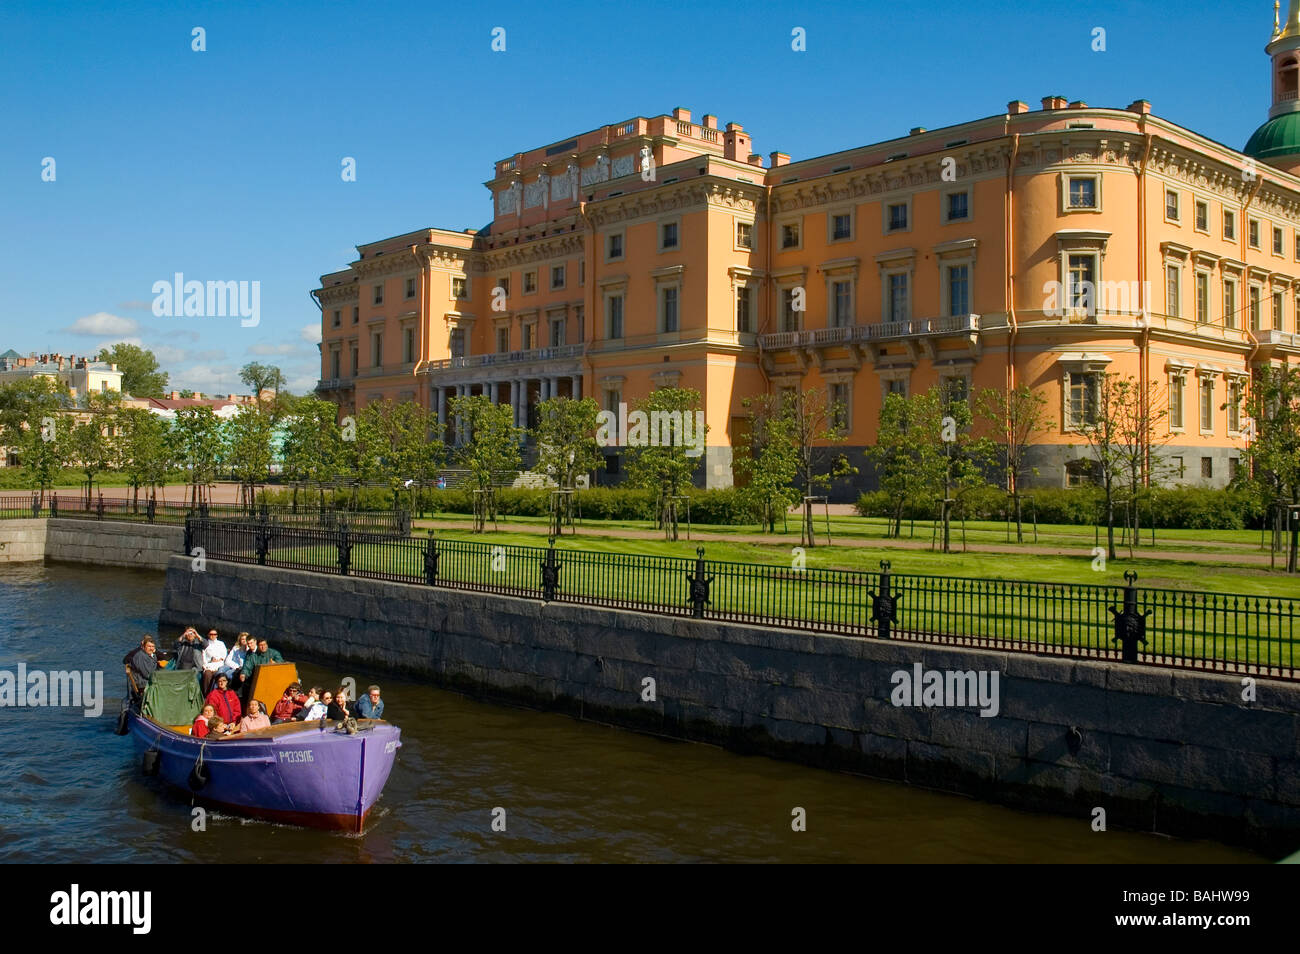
(235,661)
(214,659)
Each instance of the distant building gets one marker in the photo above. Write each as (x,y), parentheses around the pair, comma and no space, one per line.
(81,375)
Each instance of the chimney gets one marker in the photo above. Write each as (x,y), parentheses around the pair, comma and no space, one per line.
(1140,106)
(735,144)
(916,130)
(755,160)
(682,115)
(779,159)
(1054,102)
(1016,107)
(1078,104)
(710,121)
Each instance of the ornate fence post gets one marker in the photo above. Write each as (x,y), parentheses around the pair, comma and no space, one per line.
(344,548)
(884,605)
(431,560)
(151,509)
(99,507)
(36,505)
(404,522)
(698,584)
(550,574)
(54,505)
(189,535)
(263,539)
(1130,626)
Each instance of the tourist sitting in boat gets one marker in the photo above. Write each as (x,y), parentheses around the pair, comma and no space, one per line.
(338,709)
(201,721)
(312,709)
(288,705)
(370,706)
(262,655)
(142,663)
(225,700)
(256,718)
(189,650)
(217,729)
(235,662)
(214,657)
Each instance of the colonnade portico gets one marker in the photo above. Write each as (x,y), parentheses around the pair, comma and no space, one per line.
(523,394)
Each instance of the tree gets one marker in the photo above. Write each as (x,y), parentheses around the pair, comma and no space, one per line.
(767,460)
(263,377)
(1019,415)
(187,393)
(567,447)
(1140,437)
(248,450)
(1108,402)
(666,438)
(817,425)
(140,374)
(89,442)
(144,451)
(952,460)
(1273,454)
(894,457)
(491,450)
(197,444)
(397,434)
(31,421)
(313,443)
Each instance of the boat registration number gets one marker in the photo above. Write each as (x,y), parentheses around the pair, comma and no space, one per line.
(302,756)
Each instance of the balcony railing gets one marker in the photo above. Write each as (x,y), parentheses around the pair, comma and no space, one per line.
(912,327)
(505,358)
(1275,337)
(333,384)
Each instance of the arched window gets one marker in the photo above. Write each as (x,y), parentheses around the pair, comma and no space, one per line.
(1288,78)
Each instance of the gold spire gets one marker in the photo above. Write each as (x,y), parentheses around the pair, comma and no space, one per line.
(1292,27)
(1276,28)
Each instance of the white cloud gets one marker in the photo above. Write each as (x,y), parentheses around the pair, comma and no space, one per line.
(301,383)
(310,333)
(102,323)
(112,341)
(166,354)
(208,379)
(265,348)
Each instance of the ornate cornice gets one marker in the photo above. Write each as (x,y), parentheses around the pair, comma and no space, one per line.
(694,194)
(556,247)
(337,294)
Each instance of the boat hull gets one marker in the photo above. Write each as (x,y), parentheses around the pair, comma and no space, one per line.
(294,773)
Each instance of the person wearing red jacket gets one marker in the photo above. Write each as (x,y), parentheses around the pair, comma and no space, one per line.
(200,729)
(287,706)
(224,700)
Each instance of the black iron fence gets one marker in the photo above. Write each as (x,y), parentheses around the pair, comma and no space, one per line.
(386,523)
(1182,628)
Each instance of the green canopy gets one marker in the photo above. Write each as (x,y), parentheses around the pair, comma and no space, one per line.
(173,697)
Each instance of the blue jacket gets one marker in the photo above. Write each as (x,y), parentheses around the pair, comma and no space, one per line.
(370,710)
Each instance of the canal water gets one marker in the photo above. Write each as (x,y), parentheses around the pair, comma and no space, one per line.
(71,790)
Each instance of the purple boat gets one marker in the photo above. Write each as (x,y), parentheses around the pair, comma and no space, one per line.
(316,774)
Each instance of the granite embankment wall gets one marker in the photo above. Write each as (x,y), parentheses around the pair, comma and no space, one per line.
(1163,750)
(23,541)
(141,546)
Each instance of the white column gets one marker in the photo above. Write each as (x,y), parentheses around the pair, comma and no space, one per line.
(575,386)
(516,401)
(440,404)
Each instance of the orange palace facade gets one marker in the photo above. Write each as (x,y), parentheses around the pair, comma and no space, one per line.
(1039,247)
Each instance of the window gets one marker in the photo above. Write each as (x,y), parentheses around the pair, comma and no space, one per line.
(1252,233)
(530,282)
(959,290)
(614,247)
(1081,282)
(376,349)
(958,206)
(789,317)
(356,314)
(841,304)
(379,294)
(1178,467)
(408,345)
(410,288)
(504,284)
(1254,307)
(457,344)
(1234,467)
(1229,225)
(458,288)
(841,226)
(526,336)
(1277,240)
(1080,472)
(745,309)
(898,299)
(1207,468)
(1229,303)
(745,234)
(668,235)
(1083,192)
(1171,205)
(1207,405)
(668,309)
(839,401)
(790,235)
(1278,321)
(334,364)
(613,398)
(338,318)
(614,327)
(1202,297)
(1177,383)
(557,276)
(956,390)
(582,272)
(557,332)
(1085,397)
(1202,216)
(897,217)
(896,386)
(1297,246)
(1173,299)
(356,359)
(1234,406)
(503,340)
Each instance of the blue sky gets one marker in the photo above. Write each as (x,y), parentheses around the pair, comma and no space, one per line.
(224,164)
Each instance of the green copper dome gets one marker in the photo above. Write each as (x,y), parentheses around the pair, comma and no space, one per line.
(1279,136)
